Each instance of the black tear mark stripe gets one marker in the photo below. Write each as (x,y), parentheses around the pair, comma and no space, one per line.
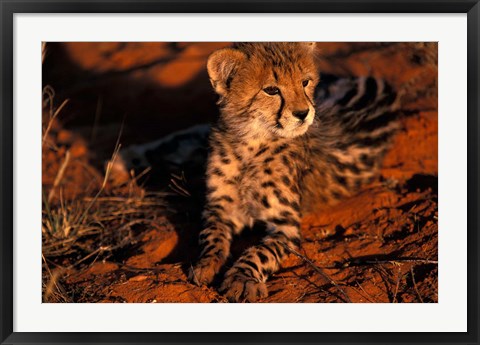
(280,110)
(308,99)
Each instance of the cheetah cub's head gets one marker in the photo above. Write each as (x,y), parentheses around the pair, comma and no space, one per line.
(265,89)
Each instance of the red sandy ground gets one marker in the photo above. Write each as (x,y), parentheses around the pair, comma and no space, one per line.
(379,246)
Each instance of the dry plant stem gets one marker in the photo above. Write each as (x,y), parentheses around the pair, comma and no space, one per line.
(59,176)
(52,117)
(415,285)
(370,298)
(397,285)
(319,270)
(105,180)
(53,282)
(179,189)
(397,261)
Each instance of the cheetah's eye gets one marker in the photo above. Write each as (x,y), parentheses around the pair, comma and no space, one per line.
(271,90)
(305,82)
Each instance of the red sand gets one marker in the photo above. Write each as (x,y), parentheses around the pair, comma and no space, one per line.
(379,246)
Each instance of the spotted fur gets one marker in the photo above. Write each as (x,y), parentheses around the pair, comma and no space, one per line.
(273,154)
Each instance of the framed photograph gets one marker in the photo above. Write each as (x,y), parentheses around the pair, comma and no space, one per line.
(239,172)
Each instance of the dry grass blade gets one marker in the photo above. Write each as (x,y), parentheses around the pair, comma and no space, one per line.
(415,285)
(176,186)
(59,176)
(320,271)
(52,117)
(53,290)
(397,285)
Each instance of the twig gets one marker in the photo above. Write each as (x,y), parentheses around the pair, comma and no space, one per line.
(182,191)
(59,176)
(316,268)
(370,297)
(415,285)
(399,277)
(359,262)
(107,175)
(50,122)
(53,282)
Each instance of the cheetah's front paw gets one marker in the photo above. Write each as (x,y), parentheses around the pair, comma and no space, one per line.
(239,288)
(204,271)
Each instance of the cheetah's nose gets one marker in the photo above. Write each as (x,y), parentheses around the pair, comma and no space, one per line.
(300,114)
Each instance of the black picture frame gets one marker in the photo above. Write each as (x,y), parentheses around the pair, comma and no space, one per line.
(10,7)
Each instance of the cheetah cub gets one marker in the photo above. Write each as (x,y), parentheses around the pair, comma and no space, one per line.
(274,152)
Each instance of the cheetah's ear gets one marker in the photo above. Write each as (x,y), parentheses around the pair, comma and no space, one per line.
(222,66)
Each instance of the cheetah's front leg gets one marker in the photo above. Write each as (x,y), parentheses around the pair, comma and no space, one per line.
(222,216)
(222,221)
(245,281)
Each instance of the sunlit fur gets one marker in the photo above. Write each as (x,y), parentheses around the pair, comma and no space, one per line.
(267,165)
(240,76)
